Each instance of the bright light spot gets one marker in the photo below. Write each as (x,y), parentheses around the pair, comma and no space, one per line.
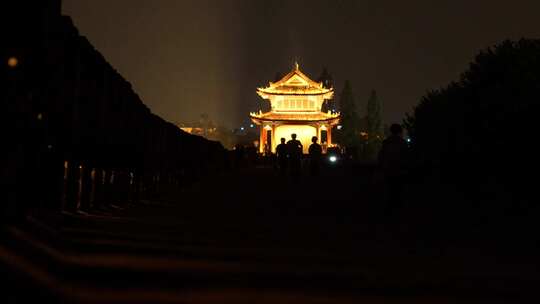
(339,127)
(408,140)
(242,128)
(251,125)
(333,159)
(13,62)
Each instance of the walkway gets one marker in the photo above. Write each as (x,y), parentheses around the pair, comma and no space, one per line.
(254,237)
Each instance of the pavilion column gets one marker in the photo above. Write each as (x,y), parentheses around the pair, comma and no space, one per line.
(262,140)
(318,127)
(329,135)
(273,138)
(261,143)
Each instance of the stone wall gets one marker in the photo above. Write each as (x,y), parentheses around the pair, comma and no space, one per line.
(76,134)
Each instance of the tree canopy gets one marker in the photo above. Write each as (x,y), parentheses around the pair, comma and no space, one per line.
(349,135)
(373,123)
(483,124)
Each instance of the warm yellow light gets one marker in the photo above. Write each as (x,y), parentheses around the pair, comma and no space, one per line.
(13,62)
(304,133)
(187,129)
(296,83)
(296,102)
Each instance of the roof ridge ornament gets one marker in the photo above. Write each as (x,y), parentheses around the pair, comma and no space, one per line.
(295,83)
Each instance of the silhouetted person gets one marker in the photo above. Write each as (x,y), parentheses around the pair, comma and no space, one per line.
(267,150)
(393,164)
(239,155)
(294,149)
(315,153)
(282,155)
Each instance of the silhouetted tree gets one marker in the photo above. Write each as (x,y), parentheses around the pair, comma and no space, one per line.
(327,82)
(483,124)
(326,79)
(373,126)
(349,135)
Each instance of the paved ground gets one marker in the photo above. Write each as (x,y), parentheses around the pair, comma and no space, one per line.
(254,237)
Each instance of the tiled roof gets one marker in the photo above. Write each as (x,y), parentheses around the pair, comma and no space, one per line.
(291,116)
(294,83)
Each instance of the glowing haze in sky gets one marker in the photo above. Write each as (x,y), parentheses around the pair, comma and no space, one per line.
(185,58)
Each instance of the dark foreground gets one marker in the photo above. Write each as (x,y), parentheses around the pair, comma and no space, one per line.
(253,237)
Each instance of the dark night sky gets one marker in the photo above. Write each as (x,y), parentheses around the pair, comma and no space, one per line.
(185,58)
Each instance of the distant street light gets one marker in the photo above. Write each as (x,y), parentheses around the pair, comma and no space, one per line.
(13,62)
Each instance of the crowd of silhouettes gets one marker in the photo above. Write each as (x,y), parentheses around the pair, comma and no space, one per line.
(289,157)
(76,136)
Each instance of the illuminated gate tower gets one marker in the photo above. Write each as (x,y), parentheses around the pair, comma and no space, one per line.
(296,103)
